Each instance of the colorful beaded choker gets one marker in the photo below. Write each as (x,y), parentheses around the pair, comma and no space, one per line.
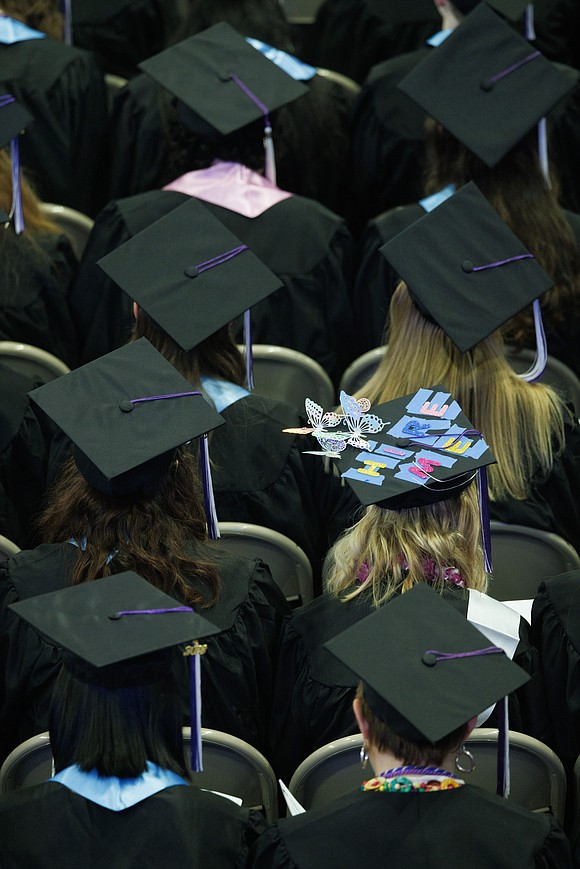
(404,779)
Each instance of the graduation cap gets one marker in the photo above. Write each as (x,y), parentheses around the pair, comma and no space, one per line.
(13,119)
(411,451)
(486,85)
(222,84)
(474,273)
(191,275)
(409,11)
(119,631)
(425,669)
(126,413)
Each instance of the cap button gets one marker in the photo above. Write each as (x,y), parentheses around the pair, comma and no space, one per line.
(486,85)
(429,659)
(114,616)
(225,76)
(126,406)
(191,272)
(467,265)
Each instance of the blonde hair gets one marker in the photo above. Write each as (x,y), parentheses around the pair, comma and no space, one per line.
(400,548)
(43,15)
(522,422)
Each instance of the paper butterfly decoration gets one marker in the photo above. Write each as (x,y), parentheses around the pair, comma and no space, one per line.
(358,421)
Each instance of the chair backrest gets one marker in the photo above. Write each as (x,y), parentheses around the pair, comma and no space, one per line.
(344,81)
(538,780)
(74,224)
(29,764)
(574,800)
(288,375)
(7,547)
(359,371)
(232,766)
(301,11)
(32,361)
(522,557)
(556,374)
(288,563)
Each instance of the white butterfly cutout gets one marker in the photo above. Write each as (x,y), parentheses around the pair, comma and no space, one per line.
(358,421)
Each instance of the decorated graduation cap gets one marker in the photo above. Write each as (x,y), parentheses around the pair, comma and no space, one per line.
(13,119)
(473,275)
(409,452)
(222,84)
(126,413)
(486,85)
(425,669)
(191,276)
(121,631)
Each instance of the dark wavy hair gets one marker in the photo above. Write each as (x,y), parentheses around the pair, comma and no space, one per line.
(216,356)
(516,188)
(161,537)
(115,731)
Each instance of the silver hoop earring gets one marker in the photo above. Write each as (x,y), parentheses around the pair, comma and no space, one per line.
(364,758)
(466,765)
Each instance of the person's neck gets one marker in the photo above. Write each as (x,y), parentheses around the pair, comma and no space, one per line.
(450,17)
(383,761)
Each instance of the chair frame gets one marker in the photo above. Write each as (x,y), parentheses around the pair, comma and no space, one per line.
(74,224)
(8,547)
(321,389)
(45,361)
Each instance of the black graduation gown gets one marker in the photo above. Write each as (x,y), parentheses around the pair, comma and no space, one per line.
(463,827)
(387,162)
(63,89)
(314,691)
(34,293)
(376,280)
(556,633)
(557,23)
(24,447)
(307,246)
(122,33)
(237,669)
(49,826)
(261,475)
(351,37)
(311,136)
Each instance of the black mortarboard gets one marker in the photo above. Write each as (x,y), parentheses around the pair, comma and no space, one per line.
(13,118)
(472,273)
(190,274)
(427,450)
(126,413)
(202,72)
(487,85)
(105,648)
(401,653)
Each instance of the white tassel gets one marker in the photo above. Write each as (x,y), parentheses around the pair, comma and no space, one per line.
(543,151)
(269,154)
(530,32)
(539,364)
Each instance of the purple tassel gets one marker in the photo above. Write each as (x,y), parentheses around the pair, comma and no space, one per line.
(539,365)
(530,32)
(484,516)
(249,355)
(67,12)
(503,748)
(16,187)
(195,713)
(210,511)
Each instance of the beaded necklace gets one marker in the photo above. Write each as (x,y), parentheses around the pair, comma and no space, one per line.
(404,779)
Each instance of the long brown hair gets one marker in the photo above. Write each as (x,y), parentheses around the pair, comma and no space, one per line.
(43,15)
(35,220)
(516,188)
(216,356)
(522,422)
(162,537)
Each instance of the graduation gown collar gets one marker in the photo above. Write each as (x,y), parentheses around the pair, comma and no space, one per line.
(222,393)
(12,31)
(231,186)
(115,793)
